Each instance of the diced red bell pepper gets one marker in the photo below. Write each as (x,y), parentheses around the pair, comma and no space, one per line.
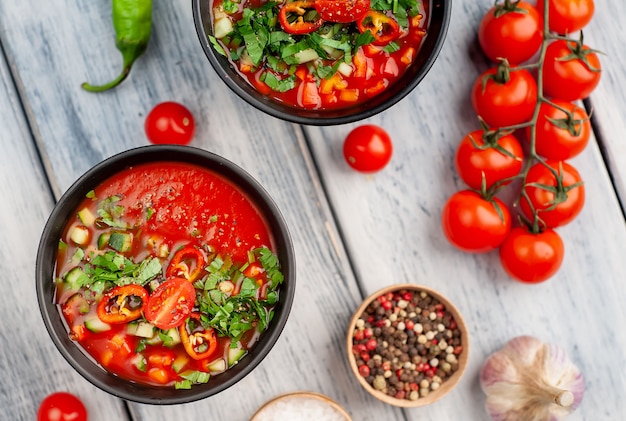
(383,27)
(292,17)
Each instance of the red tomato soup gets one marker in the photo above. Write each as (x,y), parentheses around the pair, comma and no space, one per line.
(167,274)
(320,54)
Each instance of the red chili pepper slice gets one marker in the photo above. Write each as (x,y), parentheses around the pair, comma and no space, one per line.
(199,342)
(299,17)
(384,28)
(342,11)
(122,304)
(187,259)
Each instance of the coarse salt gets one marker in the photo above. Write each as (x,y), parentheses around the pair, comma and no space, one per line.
(300,408)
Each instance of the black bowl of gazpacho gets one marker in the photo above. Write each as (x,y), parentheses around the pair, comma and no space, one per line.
(322,62)
(165,274)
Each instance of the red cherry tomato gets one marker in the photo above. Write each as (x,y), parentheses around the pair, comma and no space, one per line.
(570,71)
(171,303)
(559,136)
(342,11)
(505,102)
(529,257)
(567,16)
(62,406)
(170,123)
(555,206)
(368,148)
(474,224)
(512,31)
(496,159)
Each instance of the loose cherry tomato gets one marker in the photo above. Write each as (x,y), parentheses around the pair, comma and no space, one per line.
(170,123)
(556,202)
(494,156)
(559,135)
(342,11)
(567,16)
(571,71)
(529,257)
(122,304)
(474,224)
(383,28)
(171,303)
(367,148)
(62,406)
(512,30)
(503,97)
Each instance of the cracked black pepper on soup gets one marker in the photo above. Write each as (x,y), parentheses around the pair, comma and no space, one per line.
(406,344)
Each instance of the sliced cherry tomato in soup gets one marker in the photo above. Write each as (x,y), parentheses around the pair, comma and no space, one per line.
(170,303)
(199,342)
(122,304)
(383,27)
(342,11)
(299,17)
(62,406)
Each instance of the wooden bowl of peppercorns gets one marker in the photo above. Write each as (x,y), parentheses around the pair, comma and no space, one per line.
(407,345)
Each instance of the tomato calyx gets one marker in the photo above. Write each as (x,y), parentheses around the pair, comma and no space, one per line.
(573,125)
(299,17)
(187,263)
(384,28)
(509,6)
(198,341)
(122,304)
(579,51)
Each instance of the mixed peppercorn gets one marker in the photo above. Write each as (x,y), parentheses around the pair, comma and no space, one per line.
(406,344)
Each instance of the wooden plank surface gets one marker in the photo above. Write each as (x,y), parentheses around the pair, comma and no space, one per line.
(391,225)
(30,364)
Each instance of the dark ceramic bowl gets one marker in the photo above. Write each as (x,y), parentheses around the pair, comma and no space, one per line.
(439,19)
(45,272)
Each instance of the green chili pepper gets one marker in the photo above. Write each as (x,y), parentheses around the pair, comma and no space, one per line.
(132,20)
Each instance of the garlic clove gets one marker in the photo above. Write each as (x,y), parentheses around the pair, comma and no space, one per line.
(531,381)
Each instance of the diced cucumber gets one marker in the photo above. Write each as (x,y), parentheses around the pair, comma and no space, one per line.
(222,27)
(121,241)
(96,325)
(304,56)
(139,361)
(217,366)
(180,362)
(155,340)
(170,337)
(80,235)
(142,329)
(235,354)
(86,217)
(345,69)
(77,303)
(75,278)
(78,255)
(103,240)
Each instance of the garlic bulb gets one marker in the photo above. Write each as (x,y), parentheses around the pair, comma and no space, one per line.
(528,380)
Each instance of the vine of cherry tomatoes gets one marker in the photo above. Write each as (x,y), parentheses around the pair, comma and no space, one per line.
(541,67)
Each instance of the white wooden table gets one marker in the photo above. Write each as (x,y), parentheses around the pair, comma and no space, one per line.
(353,234)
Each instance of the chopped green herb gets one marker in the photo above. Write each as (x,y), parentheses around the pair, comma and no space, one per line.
(91,195)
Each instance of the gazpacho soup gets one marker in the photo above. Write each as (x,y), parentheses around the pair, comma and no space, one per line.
(319,54)
(167,274)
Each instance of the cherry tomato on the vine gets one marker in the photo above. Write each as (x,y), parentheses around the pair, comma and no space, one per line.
(560,136)
(62,406)
(474,224)
(530,257)
(170,123)
(503,97)
(513,30)
(567,16)
(342,11)
(571,71)
(496,157)
(556,203)
(367,148)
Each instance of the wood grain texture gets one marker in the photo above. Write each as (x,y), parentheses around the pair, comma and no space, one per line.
(391,226)
(30,364)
